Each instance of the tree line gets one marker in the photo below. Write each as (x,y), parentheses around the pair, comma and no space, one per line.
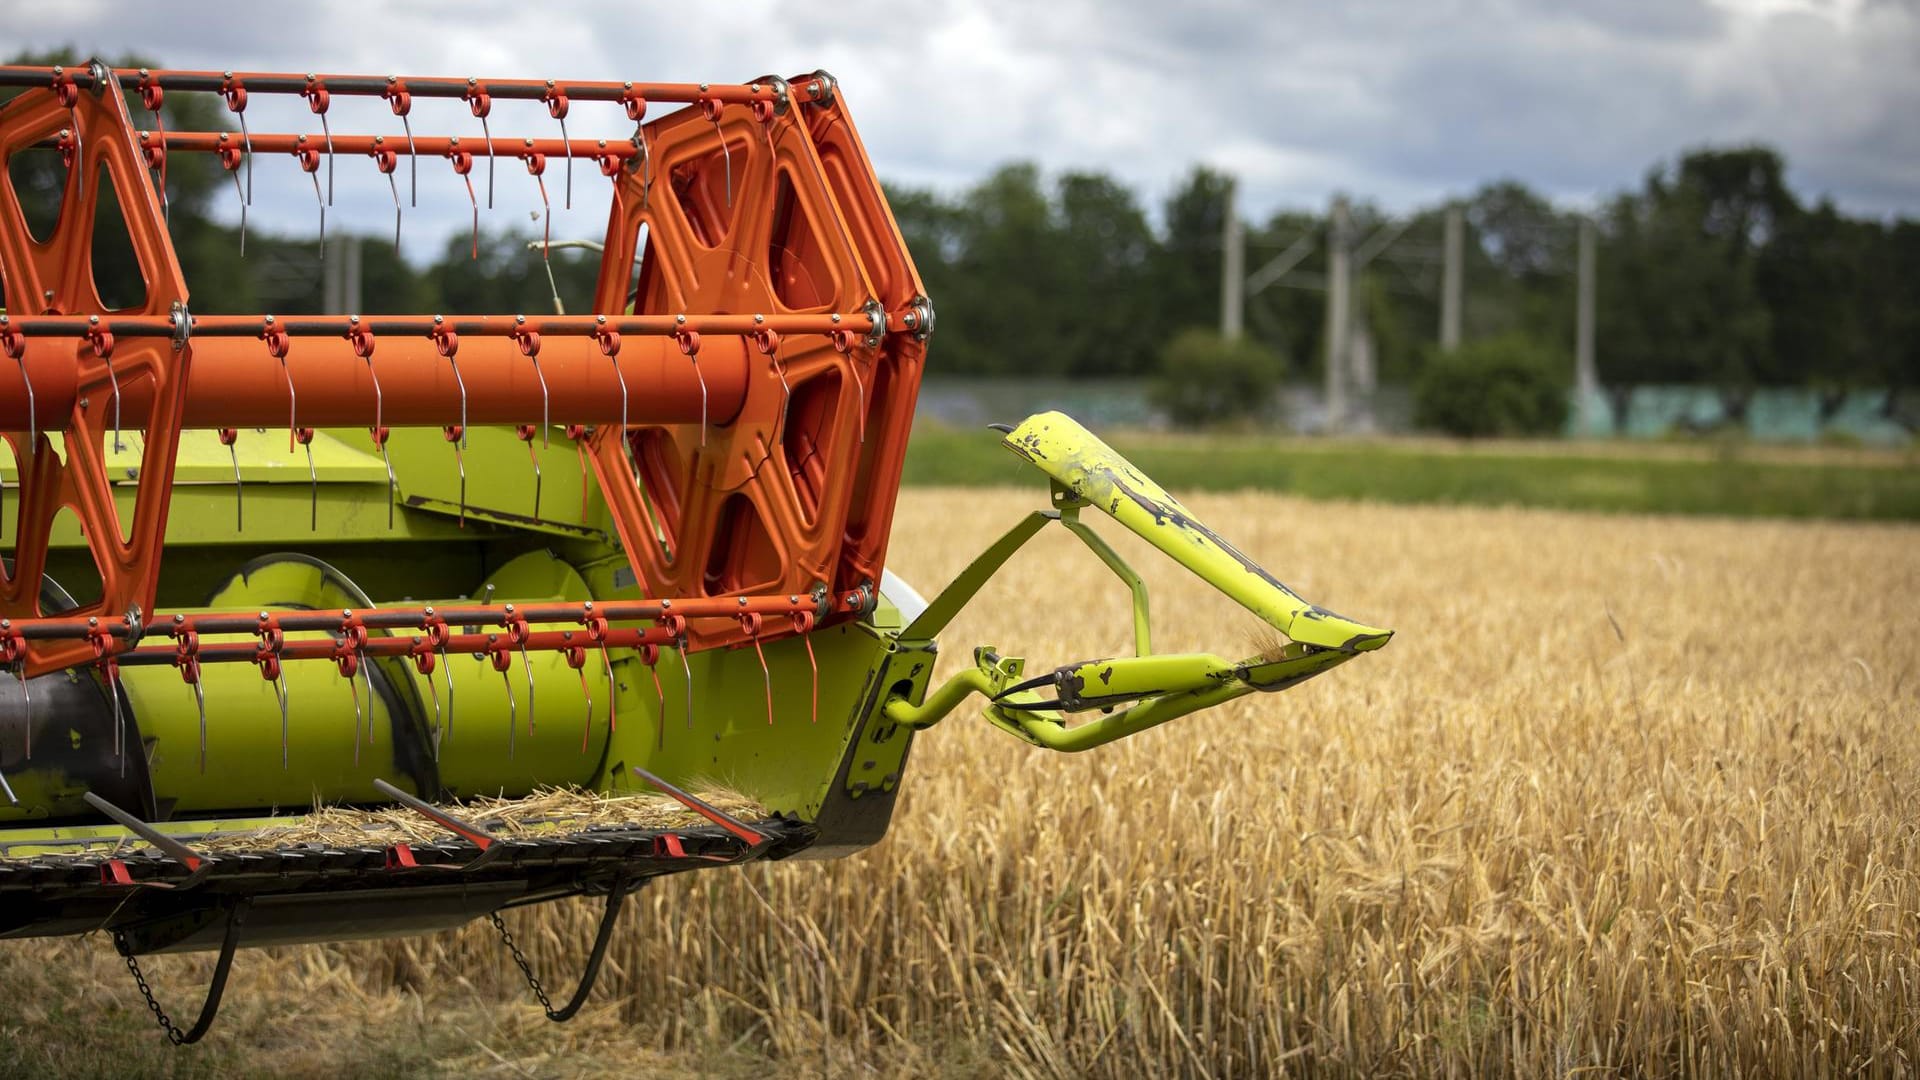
(1712,271)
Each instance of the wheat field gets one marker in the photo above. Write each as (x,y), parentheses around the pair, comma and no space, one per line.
(1624,796)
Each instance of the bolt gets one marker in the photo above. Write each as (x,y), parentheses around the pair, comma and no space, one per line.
(309,76)
(743,601)
(378,139)
(263,615)
(703,88)
(145,135)
(354,319)
(909,319)
(518,319)
(836,316)
(302,138)
(437,319)
(759,318)
(178,619)
(429,612)
(665,604)
(391,79)
(471,81)
(226,74)
(269,320)
(453,140)
(679,318)
(93,320)
(602,320)
(143,73)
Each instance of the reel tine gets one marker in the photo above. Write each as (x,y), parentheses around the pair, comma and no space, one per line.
(395,189)
(513,711)
(327,133)
(687,670)
(8,790)
(660,693)
(366,674)
(527,668)
(413,166)
(456,436)
(100,340)
(568,204)
(815,665)
(587,693)
(613,694)
(200,701)
(246,142)
(525,431)
(305,438)
(229,437)
(243,213)
(393,482)
(766,677)
(26,699)
(447,672)
(475,204)
(712,109)
(323,209)
(119,725)
(488,135)
(354,689)
(280,687)
(33,418)
(646,168)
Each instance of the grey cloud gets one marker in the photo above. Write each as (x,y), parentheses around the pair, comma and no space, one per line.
(1400,102)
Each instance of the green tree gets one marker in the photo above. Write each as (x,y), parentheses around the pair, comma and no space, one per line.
(1503,386)
(1206,379)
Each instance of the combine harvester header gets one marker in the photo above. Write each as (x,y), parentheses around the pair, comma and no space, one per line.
(643,621)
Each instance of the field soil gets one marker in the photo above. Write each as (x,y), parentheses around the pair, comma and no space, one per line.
(1625,794)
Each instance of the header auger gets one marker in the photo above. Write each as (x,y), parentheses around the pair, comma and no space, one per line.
(634,552)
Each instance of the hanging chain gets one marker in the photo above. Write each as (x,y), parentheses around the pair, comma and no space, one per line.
(174,1034)
(518,958)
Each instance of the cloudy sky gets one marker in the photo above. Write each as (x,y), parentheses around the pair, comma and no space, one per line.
(1398,102)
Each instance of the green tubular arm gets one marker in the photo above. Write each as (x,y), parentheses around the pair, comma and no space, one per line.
(1080,463)
(1131,694)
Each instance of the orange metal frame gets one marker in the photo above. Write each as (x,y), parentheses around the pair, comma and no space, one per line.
(755,387)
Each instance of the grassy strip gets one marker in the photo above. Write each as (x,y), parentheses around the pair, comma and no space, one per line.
(1726,483)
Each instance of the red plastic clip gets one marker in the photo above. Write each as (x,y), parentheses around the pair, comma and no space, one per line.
(65,89)
(234,92)
(361,336)
(396,96)
(152,95)
(100,338)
